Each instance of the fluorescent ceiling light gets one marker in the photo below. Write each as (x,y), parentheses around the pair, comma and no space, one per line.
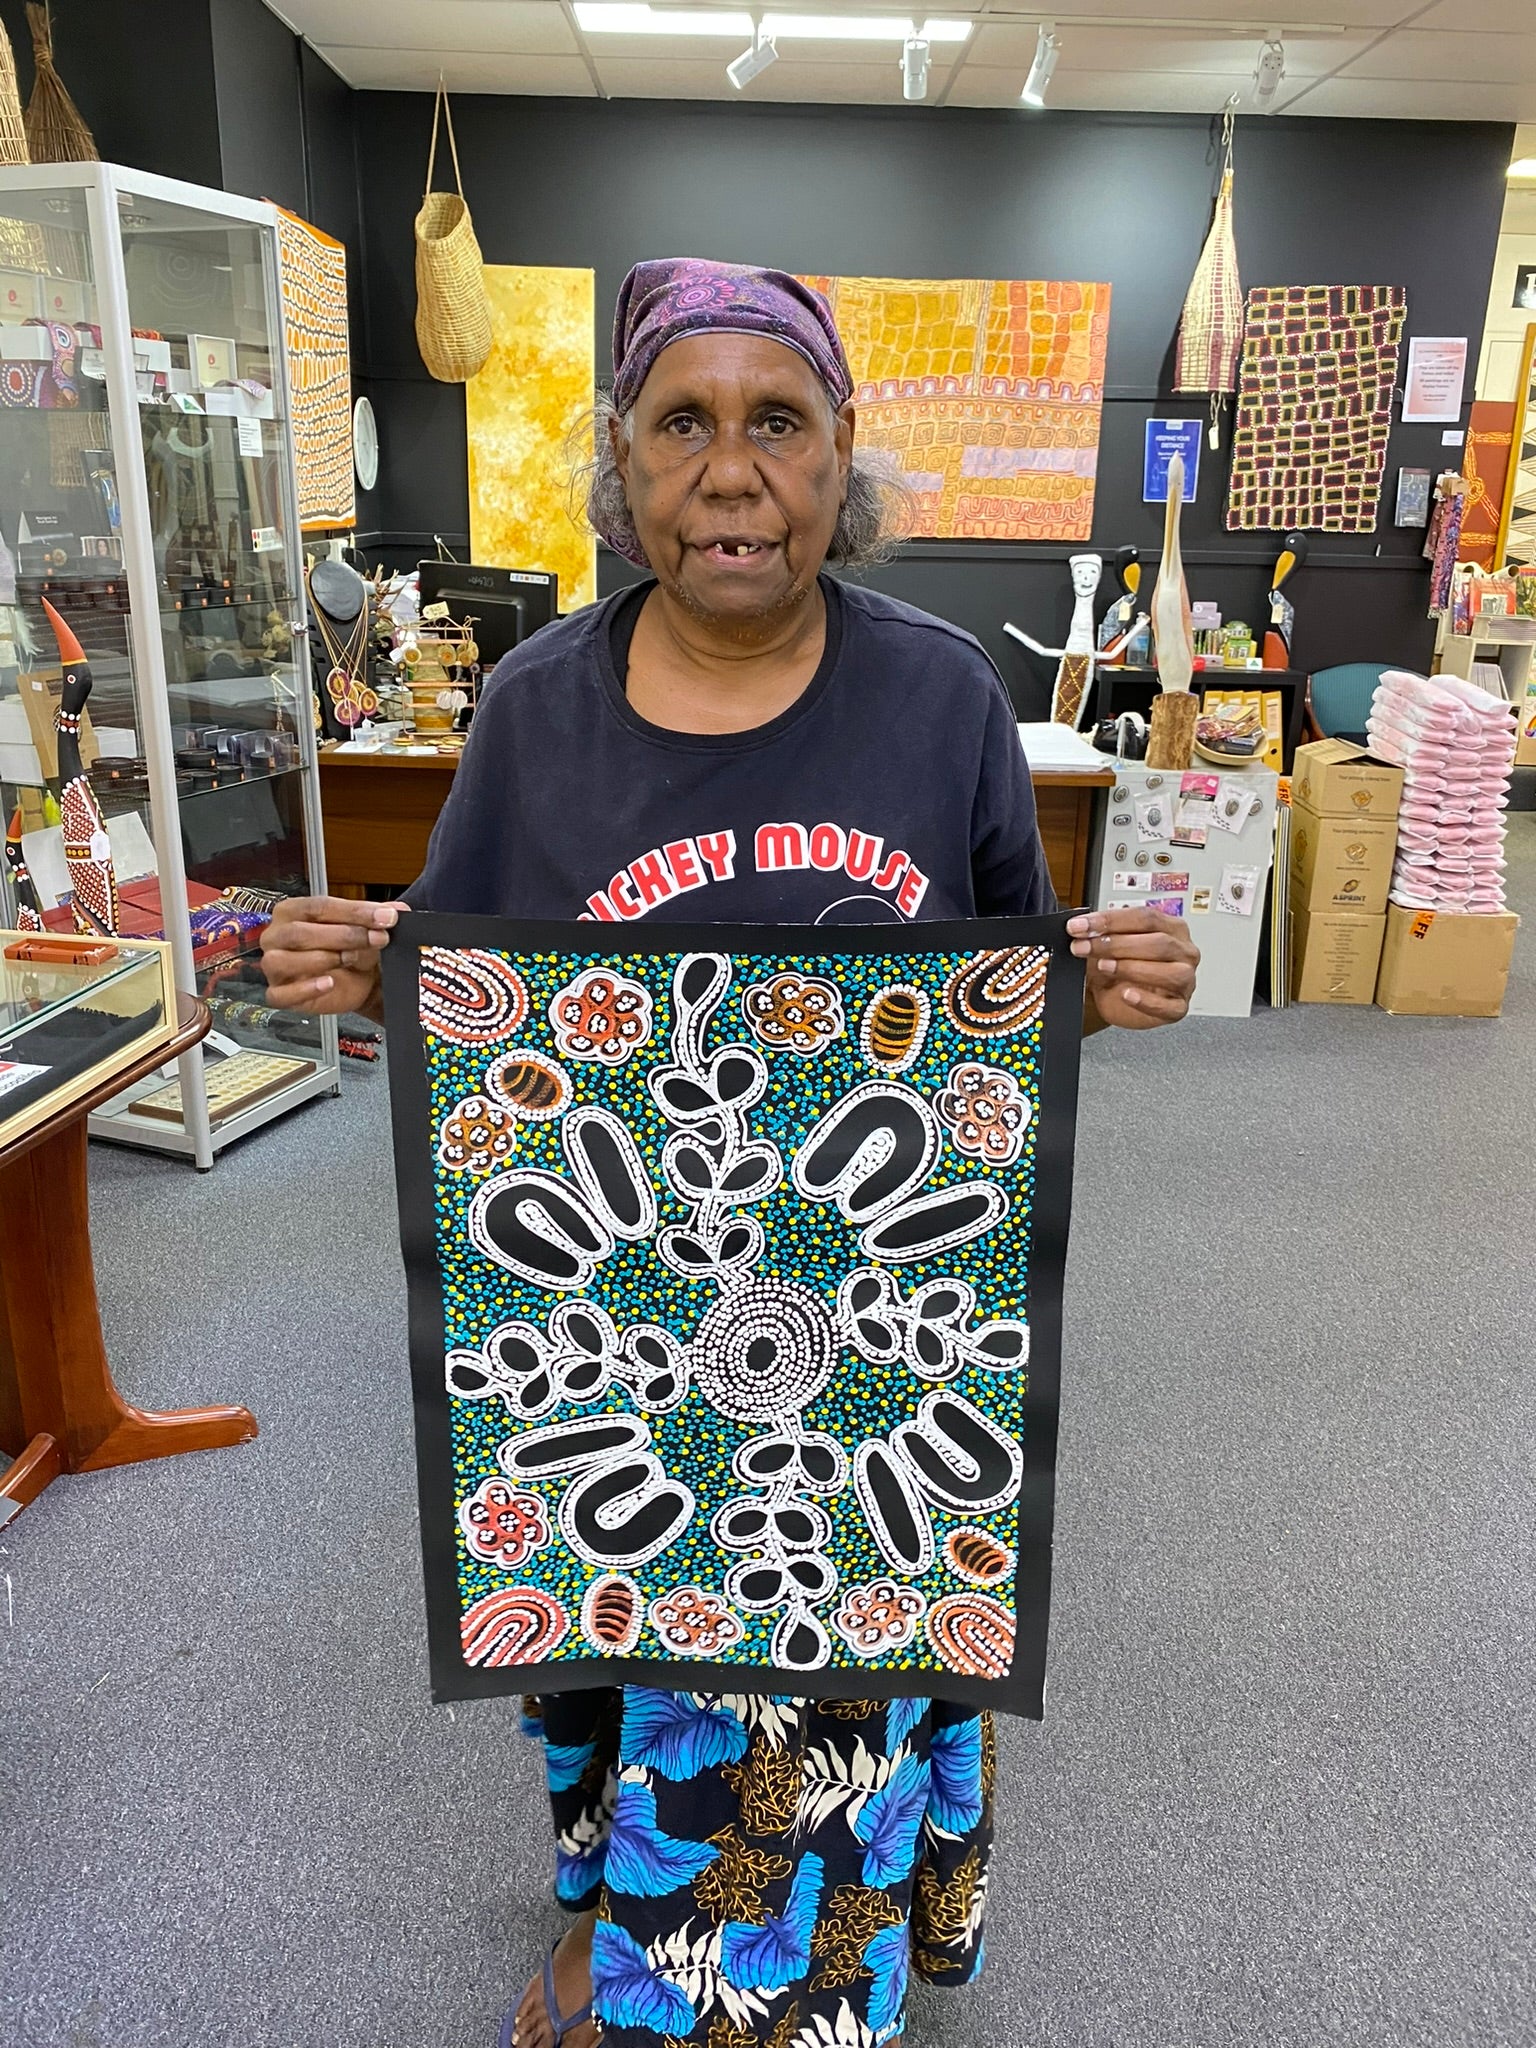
(1047,50)
(1522,167)
(602,17)
(752,62)
(863,28)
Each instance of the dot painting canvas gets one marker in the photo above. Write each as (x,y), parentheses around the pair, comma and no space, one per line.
(735,1265)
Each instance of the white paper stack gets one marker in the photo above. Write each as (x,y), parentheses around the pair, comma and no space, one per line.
(1455,744)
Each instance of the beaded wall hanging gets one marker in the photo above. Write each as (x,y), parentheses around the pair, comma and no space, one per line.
(735,1270)
(1314,406)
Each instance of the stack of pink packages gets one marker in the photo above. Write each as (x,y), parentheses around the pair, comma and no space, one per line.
(1455,745)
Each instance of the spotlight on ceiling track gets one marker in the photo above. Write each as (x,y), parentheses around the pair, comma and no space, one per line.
(1269,70)
(752,63)
(1047,50)
(914,69)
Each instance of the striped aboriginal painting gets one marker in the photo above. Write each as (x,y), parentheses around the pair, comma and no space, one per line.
(315,341)
(735,1272)
(1314,407)
(987,393)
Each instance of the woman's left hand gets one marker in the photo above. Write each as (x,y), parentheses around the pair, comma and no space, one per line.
(1141,965)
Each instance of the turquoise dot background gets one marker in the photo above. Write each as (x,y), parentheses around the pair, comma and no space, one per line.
(806,1242)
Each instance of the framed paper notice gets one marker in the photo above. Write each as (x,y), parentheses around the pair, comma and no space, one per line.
(1437,371)
(735,1263)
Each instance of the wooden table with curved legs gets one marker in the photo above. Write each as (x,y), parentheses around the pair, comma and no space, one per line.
(59,1409)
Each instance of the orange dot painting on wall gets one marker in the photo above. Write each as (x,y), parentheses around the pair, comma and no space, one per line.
(316,346)
(521,410)
(987,393)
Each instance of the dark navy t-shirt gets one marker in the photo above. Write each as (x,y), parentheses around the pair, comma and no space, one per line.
(894,788)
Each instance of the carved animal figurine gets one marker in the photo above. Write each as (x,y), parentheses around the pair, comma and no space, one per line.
(1282,613)
(87,849)
(1172,632)
(29,912)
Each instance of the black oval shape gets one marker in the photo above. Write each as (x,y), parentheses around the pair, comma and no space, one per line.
(798,1646)
(510,1233)
(905,1540)
(638,1532)
(763,1584)
(612,1173)
(944,1479)
(966,1208)
(827,1158)
(818,1462)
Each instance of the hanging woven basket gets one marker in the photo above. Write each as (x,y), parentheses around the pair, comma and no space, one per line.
(453,310)
(13,133)
(1211,324)
(56,132)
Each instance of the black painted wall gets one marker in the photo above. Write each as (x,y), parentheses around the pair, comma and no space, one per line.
(922,192)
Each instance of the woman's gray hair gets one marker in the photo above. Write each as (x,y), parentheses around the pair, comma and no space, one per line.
(875,518)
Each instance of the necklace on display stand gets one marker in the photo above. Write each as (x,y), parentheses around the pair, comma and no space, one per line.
(351,696)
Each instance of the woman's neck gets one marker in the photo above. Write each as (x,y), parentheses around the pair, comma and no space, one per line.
(688,676)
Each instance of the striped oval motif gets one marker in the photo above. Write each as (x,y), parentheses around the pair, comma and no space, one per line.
(977,1557)
(894,1025)
(530,1084)
(611,1614)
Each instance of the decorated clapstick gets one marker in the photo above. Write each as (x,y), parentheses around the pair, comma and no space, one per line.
(1174,709)
(87,849)
(29,912)
(1282,613)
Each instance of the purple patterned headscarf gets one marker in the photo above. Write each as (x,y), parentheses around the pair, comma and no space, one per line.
(662,301)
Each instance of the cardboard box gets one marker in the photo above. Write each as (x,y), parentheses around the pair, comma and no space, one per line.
(1340,780)
(1334,956)
(1443,963)
(1340,863)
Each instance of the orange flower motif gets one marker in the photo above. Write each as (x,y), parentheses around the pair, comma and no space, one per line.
(502,1526)
(798,1013)
(693,1623)
(878,1617)
(476,1135)
(601,1016)
(986,1111)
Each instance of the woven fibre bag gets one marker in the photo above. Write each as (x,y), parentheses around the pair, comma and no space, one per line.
(453,312)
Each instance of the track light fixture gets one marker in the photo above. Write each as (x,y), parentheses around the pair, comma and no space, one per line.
(914,68)
(1270,68)
(1047,50)
(753,62)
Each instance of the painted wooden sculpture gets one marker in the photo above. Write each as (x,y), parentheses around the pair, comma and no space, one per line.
(87,849)
(1077,660)
(29,912)
(1175,708)
(1282,613)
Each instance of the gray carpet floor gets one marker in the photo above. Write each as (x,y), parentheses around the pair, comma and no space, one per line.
(1284,1792)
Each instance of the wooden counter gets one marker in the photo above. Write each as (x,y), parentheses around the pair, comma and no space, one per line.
(379,810)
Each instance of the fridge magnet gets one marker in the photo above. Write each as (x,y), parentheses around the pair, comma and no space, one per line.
(1239,890)
(1199,902)
(737,1362)
(1235,804)
(1169,884)
(1193,810)
(1152,820)
(1169,906)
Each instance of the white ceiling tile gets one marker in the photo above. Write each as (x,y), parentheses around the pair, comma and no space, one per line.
(1474,17)
(1156,92)
(804,55)
(1263,14)
(1453,57)
(1406,99)
(1116,49)
(531,27)
(463,71)
(865,83)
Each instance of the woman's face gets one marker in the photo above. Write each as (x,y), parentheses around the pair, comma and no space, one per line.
(736,468)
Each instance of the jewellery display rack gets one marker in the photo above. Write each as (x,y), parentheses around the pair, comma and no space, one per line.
(147,493)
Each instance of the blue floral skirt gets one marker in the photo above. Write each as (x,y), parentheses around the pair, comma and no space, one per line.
(767,1870)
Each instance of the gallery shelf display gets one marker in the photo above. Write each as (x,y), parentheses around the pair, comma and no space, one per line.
(157,742)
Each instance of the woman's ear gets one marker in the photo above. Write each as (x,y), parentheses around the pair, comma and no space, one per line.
(843,432)
(618,441)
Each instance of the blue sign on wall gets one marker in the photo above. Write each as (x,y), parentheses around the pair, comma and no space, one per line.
(1164,439)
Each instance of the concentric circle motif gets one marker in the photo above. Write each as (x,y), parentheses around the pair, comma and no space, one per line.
(976,1556)
(973,1633)
(470,997)
(994,993)
(764,1351)
(520,1625)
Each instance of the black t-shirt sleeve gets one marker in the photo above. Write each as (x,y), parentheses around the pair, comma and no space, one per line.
(1008,871)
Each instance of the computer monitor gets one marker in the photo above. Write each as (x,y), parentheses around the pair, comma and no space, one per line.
(505,604)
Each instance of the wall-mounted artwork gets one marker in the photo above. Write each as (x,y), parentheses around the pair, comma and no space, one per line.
(522,410)
(735,1267)
(1314,407)
(1517,525)
(1485,466)
(315,341)
(988,394)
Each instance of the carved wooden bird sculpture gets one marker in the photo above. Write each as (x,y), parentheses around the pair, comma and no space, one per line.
(29,912)
(87,849)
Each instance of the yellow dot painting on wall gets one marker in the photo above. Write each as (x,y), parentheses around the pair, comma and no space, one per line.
(987,393)
(521,410)
(315,342)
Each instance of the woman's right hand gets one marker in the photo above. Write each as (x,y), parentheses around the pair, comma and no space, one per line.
(321,953)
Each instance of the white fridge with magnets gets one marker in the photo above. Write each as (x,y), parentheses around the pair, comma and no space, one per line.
(1199,845)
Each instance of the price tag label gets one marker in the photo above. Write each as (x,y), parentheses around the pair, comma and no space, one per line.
(1420,927)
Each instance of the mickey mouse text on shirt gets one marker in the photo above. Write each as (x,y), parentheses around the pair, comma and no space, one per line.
(673,870)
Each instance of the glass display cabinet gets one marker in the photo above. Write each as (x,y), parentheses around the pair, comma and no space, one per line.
(147,504)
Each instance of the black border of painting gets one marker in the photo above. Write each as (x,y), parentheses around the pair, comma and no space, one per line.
(1022,1690)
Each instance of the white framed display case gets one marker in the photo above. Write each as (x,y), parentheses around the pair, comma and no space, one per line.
(147,491)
